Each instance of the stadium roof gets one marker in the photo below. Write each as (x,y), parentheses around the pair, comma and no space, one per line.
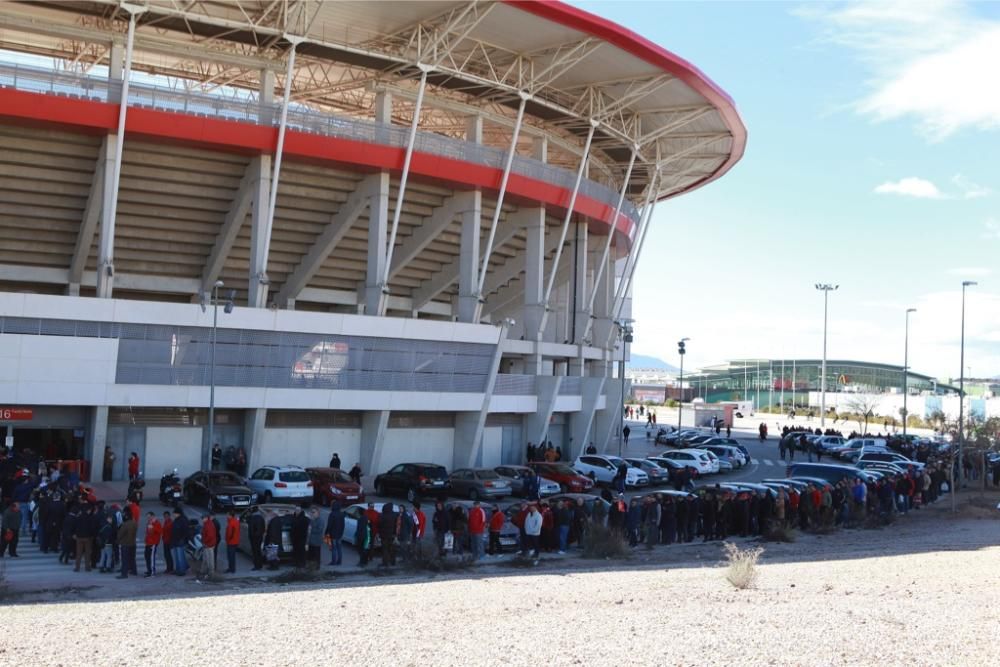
(482,56)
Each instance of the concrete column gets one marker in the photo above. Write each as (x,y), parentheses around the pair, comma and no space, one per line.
(536,424)
(378,229)
(254,421)
(106,240)
(474,129)
(97,440)
(602,325)
(540,149)
(261,186)
(581,284)
(608,420)
(581,423)
(468,259)
(374,424)
(533,221)
(383,107)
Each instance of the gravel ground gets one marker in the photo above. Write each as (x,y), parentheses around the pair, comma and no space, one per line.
(892,596)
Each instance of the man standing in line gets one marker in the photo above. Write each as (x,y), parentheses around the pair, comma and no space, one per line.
(421,528)
(257,528)
(154,533)
(232,541)
(532,530)
(300,536)
(477,526)
(165,535)
(388,524)
(85,530)
(10,529)
(179,532)
(216,457)
(441,524)
(496,525)
(625,433)
(315,539)
(335,532)
(209,540)
(126,545)
(109,464)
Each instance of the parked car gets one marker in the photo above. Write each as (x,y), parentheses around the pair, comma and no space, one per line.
(286,512)
(218,490)
(889,457)
(569,480)
(673,466)
(828,443)
(851,450)
(675,437)
(602,469)
(479,483)
(515,476)
(880,466)
(696,441)
(695,458)
(797,484)
(283,483)
(331,484)
(414,480)
(657,475)
(725,453)
(830,472)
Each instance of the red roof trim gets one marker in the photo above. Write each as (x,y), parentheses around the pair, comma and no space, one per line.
(640,47)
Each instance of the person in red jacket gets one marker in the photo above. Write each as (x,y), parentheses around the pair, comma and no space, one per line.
(133,467)
(166,531)
(154,533)
(496,524)
(419,529)
(232,540)
(209,540)
(477,526)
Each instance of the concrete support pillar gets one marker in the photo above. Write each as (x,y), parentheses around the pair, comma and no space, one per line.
(106,238)
(581,284)
(378,228)
(468,258)
(601,325)
(608,421)
(474,129)
(261,184)
(470,426)
(97,440)
(540,149)
(536,424)
(254,422)
(374,425)
(383,107)
(533,221)
(581,423)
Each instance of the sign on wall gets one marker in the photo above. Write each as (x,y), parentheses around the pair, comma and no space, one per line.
(16,414)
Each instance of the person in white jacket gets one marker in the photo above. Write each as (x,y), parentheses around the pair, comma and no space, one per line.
(532,530)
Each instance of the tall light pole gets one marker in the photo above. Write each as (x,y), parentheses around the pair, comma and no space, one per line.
(826,289)
(228,308)
(680,383)
(906,365)
(625,331)
(961,391)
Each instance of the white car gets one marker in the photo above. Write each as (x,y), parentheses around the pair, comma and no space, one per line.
(696,458)
(602,469)
(282,484)
(728,452)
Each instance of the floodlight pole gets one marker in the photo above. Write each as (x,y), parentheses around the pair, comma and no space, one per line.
(956,470)
(826,289)
(906,365)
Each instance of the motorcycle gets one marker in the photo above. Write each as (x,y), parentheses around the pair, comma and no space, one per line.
(135,488)
(171,491)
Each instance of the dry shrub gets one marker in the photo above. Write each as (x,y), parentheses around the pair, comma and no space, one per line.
(776,533)
(601,542)
(741,571)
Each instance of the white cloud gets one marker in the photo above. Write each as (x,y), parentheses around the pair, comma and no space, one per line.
(969,189)
(932,62)
(971,271)
(910,187)
(992,229)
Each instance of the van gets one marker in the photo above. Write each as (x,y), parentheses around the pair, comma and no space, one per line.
(830,472)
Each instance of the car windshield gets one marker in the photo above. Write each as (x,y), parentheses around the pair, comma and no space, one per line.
(340,477)
(225,478)
(293,476)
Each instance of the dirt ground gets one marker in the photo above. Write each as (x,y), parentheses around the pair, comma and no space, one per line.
(920,592)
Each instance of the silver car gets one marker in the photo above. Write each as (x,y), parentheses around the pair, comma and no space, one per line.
(515,477)
(475,483)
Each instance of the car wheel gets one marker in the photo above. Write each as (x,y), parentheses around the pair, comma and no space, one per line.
(268,497)
(473,495)
(411,495)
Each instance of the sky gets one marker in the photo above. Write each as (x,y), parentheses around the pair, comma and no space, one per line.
(871,164)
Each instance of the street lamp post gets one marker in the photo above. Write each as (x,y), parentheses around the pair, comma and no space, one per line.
(906,365)
(680,382)
(228,308)
(625,330)
(826,289)
(961,393)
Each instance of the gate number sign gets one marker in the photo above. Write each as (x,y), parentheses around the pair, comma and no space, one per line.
(15,414)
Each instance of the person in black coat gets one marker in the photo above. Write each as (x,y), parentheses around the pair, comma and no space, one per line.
(335,532)
(273,536)
(440,524)
(335,461)
(300,535)
(387,532)
(180,531)
(256,528)
(362,539)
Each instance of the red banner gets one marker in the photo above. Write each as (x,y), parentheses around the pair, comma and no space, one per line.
(16,414)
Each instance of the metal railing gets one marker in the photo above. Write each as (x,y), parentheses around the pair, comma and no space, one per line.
(247,110)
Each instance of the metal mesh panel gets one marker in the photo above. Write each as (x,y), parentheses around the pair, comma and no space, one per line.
(571,386)
(514,385)
(312,419)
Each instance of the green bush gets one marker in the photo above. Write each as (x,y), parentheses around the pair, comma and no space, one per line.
(601,542)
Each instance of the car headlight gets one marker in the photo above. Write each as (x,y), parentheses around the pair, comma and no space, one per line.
(253,497)
(335,490)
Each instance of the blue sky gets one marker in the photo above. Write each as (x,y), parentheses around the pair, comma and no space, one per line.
(871,163)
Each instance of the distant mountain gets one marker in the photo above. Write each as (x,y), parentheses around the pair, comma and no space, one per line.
(642,361)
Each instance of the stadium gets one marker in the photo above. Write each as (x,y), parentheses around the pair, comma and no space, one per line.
(393,230)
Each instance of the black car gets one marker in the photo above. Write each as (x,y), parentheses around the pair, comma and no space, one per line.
(218,490)
(414,480)
(827,472)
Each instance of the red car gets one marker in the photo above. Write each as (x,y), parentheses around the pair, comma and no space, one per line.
(569,480)
(331,484)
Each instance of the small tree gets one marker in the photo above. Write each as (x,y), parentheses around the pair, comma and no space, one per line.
(863,406)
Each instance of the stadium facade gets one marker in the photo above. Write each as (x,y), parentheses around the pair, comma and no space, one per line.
(416,225)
